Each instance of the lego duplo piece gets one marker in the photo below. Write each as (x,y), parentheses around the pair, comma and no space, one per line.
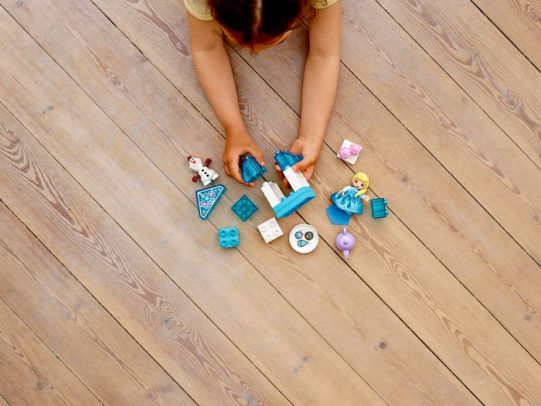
(303,238)
(207,199)
(228,237)
(338,217)
(273,193)
(379,208)
(302,192)
(250,169)
(285,159)
(349,151)
(204,173)
(244,208)
(270,230)
(345,242)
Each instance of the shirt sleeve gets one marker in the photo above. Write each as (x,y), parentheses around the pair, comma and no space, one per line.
(319,4)
(199,9)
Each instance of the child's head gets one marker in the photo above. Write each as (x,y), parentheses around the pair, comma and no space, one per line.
(258,24)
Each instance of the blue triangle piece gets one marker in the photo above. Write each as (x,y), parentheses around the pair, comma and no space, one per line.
(302,243)
(207,199)
(337,216)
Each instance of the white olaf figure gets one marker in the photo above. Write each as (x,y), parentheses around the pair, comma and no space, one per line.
(204,173)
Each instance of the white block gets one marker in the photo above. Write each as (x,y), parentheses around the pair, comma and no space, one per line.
(296,179)
(270,230)
(272,192)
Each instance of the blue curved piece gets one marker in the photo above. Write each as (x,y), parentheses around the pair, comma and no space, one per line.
(251,170)
(285,159)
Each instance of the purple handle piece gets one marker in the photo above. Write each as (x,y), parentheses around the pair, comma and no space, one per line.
(345,242)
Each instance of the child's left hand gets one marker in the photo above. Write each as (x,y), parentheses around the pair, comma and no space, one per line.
(310,150)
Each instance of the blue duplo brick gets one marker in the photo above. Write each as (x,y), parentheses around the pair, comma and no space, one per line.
(228,237)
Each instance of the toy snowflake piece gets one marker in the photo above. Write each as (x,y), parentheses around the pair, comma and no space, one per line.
(207,199)
(204,173)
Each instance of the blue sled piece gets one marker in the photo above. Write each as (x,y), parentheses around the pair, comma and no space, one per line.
(207,199)
(379,208)
(294,201)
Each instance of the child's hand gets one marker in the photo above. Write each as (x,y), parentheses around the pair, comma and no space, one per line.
(238,144)
(310,150)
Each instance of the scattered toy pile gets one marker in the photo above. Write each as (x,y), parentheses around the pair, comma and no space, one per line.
(303,238)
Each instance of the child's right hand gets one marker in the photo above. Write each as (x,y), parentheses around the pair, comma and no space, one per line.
(239,143)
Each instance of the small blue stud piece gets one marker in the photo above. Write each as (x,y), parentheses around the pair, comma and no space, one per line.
(379,208)
(244,208)
(207,199)
(250,169)
(228,237)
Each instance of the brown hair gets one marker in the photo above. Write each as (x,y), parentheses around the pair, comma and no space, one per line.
(253,22)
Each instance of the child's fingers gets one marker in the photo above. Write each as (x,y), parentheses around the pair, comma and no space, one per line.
(308,173)
(303,165)
(235,173)
(258,155)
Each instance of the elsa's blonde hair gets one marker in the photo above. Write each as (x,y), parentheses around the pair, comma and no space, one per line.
(363,177)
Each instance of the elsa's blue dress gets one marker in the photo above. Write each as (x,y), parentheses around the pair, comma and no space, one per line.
(348,202)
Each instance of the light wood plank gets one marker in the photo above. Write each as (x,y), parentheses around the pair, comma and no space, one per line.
(458,231)
(520,20)
(135,22)
(482,61)
(3,402)
(442,117)
(327,302)
(154,212)
(147,303)
(30,373)
(92,344)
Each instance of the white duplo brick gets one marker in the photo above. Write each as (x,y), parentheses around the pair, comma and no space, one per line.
(270,230)
(296,179)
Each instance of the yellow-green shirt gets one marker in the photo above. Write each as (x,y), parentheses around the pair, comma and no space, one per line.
(200,8)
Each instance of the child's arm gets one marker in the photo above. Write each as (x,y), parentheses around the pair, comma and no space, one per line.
(216,77)
(319,85)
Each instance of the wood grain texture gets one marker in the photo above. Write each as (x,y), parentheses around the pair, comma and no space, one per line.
(156,212)
(92,344)
(481,60)
(520,20)
(327,302)
(115,270)
(467,142)
(458,231)
(31,374)
(127,282)
(164,51)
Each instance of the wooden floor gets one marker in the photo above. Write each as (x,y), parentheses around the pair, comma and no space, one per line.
(113,291)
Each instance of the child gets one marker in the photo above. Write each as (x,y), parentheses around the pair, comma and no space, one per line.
(259,24)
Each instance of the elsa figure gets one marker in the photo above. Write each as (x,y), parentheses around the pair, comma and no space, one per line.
(350,199)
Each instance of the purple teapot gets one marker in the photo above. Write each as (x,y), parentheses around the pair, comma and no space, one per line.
(345,242)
